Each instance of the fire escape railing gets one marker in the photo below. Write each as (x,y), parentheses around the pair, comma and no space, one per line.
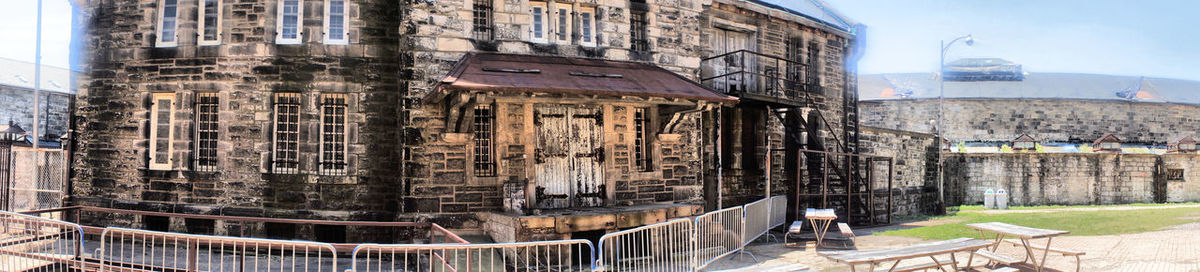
(750,74)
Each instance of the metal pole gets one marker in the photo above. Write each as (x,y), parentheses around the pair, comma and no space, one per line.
(37,93)
(941,109)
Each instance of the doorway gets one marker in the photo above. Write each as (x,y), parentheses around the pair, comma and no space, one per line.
(568,156)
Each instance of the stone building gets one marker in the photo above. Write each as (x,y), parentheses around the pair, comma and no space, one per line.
(526,120)
(16,97)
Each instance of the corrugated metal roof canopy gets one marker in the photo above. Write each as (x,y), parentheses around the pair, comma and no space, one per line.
(1035,86)
(526,74)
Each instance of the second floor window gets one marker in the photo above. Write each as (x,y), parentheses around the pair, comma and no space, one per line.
(168,21)
(485,160)
(482,12)
(587,27)
(562,24)
(162,113)
(538,27)
(288,29)
(335,22)
(210,23)
(286,159)
(207,123)
(638,22)
(333,134)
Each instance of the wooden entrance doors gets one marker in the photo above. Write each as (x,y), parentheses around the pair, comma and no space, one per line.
(568,156)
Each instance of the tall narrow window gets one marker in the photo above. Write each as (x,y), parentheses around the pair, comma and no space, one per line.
(641,146)
(335,22)
(333,134)
(813,77)
(168,15)
(288,27)
(537,11)
(161,114)
(562,23)
(287,134)
(587,27)
(483,19)
(638,23)
(485,161)
(206,131)
(210,22)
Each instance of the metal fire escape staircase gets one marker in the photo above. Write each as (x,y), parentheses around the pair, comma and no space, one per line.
(829,172)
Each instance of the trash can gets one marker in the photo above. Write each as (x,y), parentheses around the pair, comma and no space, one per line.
(1002,199)
(989,199)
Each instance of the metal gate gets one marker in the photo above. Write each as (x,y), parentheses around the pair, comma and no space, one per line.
(5,174)
(569,153)
(45,191)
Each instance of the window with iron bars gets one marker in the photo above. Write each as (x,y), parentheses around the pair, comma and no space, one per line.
(333,134)
(638,22)
(641,146)
(483,19)
(813,77)
(287,134)
(485,160)
(207,123)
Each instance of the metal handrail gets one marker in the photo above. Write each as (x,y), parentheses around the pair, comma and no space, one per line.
(472,257)
(161,251)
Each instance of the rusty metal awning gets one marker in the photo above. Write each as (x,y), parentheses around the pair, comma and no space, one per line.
(509,73)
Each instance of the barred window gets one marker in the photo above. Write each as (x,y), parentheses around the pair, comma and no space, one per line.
(641,147)
(161,114)
(485,161)
(638,22)
(333,134)
(210,23)
(168,17)
(813,78)
(206,131)
(287,134)
(483,19)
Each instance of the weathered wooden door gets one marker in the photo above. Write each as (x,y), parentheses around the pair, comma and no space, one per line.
(569,155)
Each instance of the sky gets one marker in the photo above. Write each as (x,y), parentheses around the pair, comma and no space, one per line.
(18,26)
(1154,38)
(1124,37)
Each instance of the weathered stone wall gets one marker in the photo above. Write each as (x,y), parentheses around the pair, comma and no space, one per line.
(1080,121)
(913,172)
(245,70)
(16,104)
(1071,179)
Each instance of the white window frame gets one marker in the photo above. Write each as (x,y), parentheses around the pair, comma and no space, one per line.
(533,24)
(162,10)
(154,118)
(562,23)
(201,32)
(587,23)
(299,23)
(324,168)
(345,24)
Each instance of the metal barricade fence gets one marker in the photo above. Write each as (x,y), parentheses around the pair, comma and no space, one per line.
(718,233)
(559,255)
(122,249)
(778,211)
(667,246)
(29,243)
(756,216)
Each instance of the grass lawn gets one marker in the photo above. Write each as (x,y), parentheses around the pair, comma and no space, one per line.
(1086,223)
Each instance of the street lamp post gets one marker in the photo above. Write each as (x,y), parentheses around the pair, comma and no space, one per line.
(941,115)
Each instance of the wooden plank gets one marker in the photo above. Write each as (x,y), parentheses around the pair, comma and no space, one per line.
(916,267)
(586,171)
(1063,251)
(553,180)
(909,252)
(845,229)
(822,214)
(1018,231)
(1005,260)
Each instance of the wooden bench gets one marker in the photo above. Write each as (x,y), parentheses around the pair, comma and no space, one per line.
(916,267)
(1006,269)
(845,229)
(887,258)
(996,258)
(1063,251)
(793,229)
(774,267)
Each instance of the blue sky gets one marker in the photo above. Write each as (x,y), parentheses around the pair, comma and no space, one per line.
(1155,38)
(1150,38)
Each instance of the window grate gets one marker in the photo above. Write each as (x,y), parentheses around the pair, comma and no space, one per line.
(483,19)
(333,134)
(207,123)
(813,75)
(287,134)
(637,31)
(485,161)
(641,150)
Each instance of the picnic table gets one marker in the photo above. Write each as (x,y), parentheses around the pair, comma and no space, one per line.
(1021,232)
(820,219)
(895,255)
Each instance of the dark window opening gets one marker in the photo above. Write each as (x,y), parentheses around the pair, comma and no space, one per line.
(642,157)
(287,134)
(795,69)
(1175,174)
(200,226)
(485,161)
(281,231)
(330,234)
(483,19)
(333,134)
(813,78)
(207,124)
(638,23)
(156,223)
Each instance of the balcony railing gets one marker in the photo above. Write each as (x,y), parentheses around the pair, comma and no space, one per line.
(753,75)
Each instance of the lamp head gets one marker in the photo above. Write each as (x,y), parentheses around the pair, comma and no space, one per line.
(970,41)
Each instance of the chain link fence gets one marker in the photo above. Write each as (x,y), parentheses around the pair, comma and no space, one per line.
(27,192)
